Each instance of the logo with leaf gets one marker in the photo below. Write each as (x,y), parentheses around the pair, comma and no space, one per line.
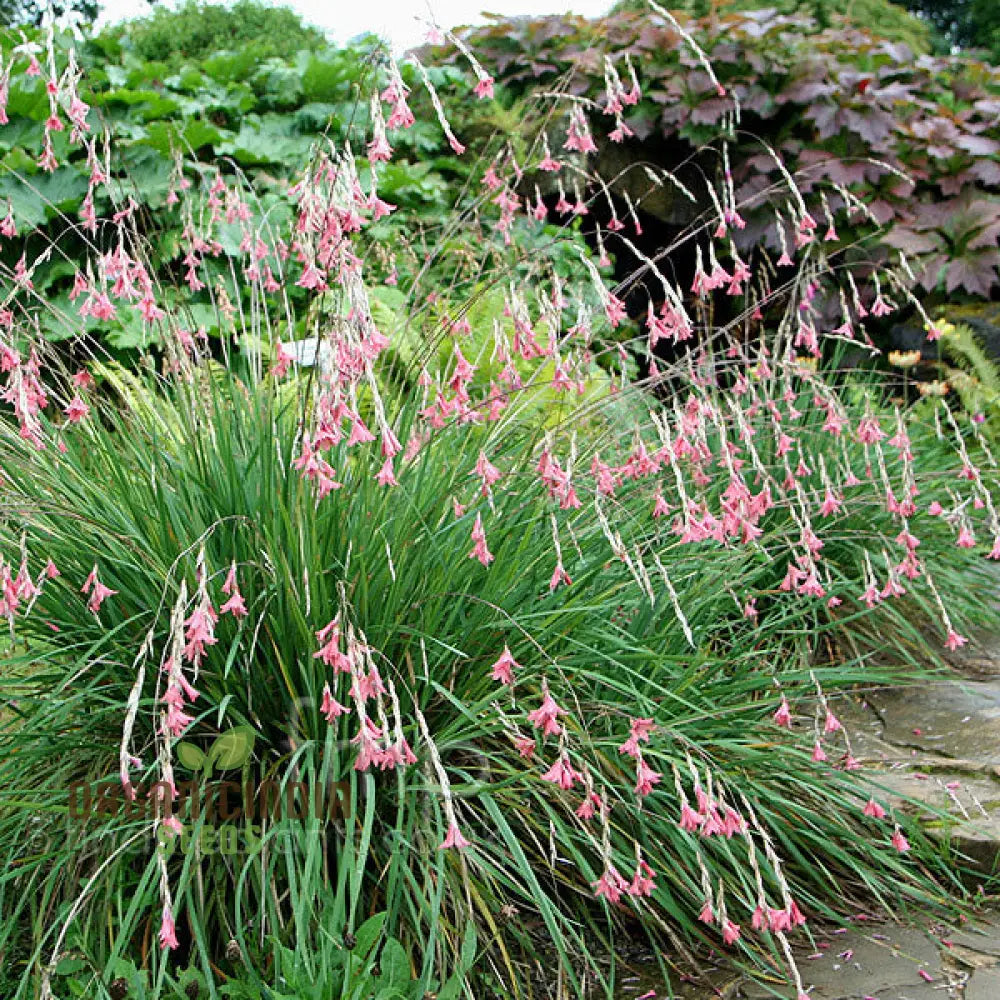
(229,750)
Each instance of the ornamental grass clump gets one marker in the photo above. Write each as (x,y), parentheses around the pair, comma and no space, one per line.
(534,634)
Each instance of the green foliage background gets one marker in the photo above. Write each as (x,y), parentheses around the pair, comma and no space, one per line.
(242,111)
(197,30)
(828,95)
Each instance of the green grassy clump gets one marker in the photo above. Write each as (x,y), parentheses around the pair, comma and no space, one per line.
(178,476)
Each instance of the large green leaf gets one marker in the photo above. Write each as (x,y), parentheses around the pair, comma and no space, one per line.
(147,104)
(279,85)
(325,79)
(19,131)
(230,67)
(62,190)
(315,116)
(191,756)
(38,197)
(192,135)
(148,170)
(395,964)
(367,934)
(254,146)
(233,747)
(27,98)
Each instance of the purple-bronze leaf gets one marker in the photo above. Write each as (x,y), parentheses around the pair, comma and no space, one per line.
(976,274)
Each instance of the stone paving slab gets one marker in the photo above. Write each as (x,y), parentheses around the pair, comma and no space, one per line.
(935,751)
(985,985)
(982,939)
(959,718)
(921,991)
(911,787)
(867,962)
(883,962)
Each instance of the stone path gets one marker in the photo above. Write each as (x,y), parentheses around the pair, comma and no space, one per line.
(902,963)
(934,750)
(877,962)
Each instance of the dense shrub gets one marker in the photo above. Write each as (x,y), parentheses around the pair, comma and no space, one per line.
(196,31)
